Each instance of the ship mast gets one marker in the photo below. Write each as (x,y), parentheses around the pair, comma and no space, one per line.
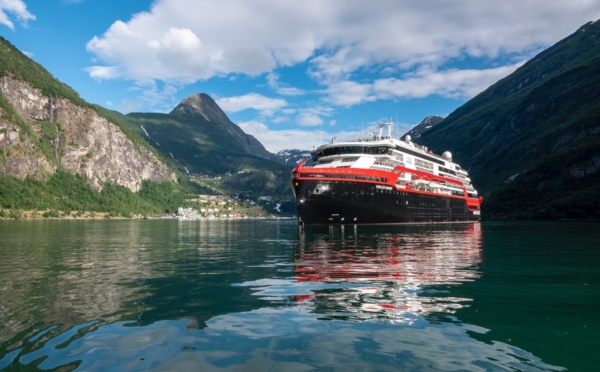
(387,124)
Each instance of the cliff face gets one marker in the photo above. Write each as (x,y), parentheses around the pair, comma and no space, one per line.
(40,134)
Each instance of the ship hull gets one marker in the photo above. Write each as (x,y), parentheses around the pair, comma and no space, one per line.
(340,202)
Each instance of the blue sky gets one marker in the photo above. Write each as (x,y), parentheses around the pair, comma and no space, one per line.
(293,73)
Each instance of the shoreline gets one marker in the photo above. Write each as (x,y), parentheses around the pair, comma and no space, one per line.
(106,216)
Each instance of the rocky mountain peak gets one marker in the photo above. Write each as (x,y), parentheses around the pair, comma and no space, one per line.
(427,123)
(202,104)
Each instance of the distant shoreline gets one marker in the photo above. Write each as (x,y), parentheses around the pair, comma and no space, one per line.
(106,216)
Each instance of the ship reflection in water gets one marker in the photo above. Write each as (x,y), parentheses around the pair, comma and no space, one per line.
(405,273)
(254,295)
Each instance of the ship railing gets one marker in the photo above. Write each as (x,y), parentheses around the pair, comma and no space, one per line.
(382,167)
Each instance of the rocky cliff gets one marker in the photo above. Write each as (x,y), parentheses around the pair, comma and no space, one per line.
(40,134)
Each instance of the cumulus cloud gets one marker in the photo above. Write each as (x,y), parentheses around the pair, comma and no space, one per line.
(103,72)
(349,93)
(18,9)
(450,83)
(341,53)
(453,83)
(277,140)
(265,105)
(307,119)
(176,55)
(273,81)
(248,38)
(186,41)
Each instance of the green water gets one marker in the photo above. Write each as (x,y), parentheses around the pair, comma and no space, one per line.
(159,295)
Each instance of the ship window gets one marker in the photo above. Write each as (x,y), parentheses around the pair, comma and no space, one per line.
(446,170)
(423,164)
(384,163)
(398,157)
(420,155)
(341,150)
(345,176)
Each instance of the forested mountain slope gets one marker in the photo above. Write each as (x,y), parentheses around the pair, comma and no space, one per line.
(532,140)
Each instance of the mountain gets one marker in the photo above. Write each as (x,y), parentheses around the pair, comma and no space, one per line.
(201,140)
(51,136)
(532,140)
(425,125)
(292,157)
(216,126)
(46,127)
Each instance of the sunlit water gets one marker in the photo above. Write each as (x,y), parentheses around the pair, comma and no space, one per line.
(266,295)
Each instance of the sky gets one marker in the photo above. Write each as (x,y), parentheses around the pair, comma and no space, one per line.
(293,73)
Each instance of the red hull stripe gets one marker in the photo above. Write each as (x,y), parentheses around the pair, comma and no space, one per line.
(376,176)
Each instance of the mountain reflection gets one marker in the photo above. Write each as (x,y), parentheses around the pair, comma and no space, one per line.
(395,273)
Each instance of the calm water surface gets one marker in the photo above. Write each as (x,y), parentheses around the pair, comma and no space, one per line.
(265,295)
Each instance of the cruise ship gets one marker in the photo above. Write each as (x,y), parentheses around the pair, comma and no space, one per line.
(382,180)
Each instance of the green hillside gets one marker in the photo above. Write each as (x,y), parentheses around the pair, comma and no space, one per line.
(196,139)
(532,140)
(199,139)
(15,63)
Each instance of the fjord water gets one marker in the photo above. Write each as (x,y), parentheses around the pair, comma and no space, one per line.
(154,295)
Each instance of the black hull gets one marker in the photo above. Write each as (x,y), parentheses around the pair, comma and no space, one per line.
(338,202)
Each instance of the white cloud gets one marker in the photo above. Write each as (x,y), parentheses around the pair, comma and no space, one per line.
(103,72)
(248,38)
(267,106)
(18,9)
(454,83)
(339,36)
(154,94)
(176,55)
(181,49)
(450,83)
(349,93)
(283,89)
(307,119)
(185,40)
(277,140)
